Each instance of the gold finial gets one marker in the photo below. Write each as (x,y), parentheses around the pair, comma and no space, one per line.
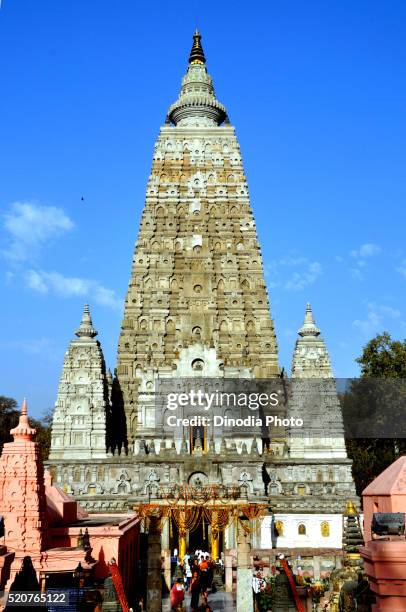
(350,509)
(197,54)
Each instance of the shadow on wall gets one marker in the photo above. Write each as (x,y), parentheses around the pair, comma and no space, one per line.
(117,425)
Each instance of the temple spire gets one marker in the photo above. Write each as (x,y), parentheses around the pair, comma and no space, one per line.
(23,431)
(310,357)
(309,326)
(197,54)
(197,104)
(86,329)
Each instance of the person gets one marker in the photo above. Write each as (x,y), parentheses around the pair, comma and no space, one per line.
(210,571)
(195,566)
(195,590)
(188,572)
(204,576)
(177,595)
(186,558)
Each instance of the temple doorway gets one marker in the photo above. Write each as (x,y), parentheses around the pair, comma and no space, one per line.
(199,539)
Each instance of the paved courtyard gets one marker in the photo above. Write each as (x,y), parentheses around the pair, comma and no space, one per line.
(217,601)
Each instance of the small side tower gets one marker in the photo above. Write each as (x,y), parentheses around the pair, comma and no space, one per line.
(82,405)
(22,493)
(314,399)
(310,359)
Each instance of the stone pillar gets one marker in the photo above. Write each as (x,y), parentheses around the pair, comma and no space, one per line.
(316,567)
(214,533)
(165,535)
(182,545)
(245,599)
(167,568)
(215,545)
(154,584)
(228,564)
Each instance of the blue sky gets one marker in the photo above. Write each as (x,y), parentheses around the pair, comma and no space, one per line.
(317,92)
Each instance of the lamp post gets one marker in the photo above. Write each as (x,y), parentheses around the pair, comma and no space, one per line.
(79,576)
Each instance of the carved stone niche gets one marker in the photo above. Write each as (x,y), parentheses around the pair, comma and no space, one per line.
(123,484)
(245,482)
(92,488)
(151,485)
(198,479)
(275,486)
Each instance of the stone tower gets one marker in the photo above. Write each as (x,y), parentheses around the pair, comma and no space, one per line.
(22,492)
(197,307)
(314,397)
(197,297)
(82,407)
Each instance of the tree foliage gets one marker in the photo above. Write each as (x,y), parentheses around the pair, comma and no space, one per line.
(381,358)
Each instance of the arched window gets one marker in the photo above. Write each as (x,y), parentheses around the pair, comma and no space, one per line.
(301,490)
(170,326)
(301,529)
(325,529)
(197,332)
(197,364)
(250,327)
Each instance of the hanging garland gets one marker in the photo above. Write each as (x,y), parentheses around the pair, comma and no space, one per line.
(220,517)
(253,511)
(186,519)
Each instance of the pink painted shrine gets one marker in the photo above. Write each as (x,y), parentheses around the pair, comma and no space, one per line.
(45,523)
(385,559)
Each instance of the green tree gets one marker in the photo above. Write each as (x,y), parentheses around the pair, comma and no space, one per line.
(8,418)
(381,358)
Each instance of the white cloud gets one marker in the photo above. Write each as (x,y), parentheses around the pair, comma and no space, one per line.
(375,319)
(366,250)
(357,274)
(30,225)
(44,348)
(65,286)
(392,313)
(300,280)
(402,268)
(307,273)
(36,281)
